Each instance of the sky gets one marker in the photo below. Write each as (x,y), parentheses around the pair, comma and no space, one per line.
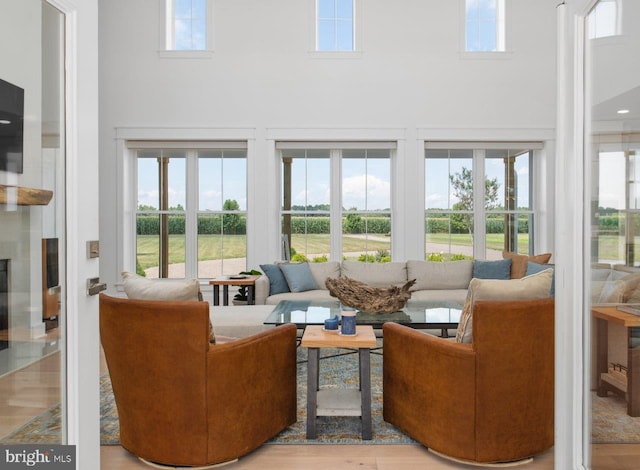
(366,183)
(220,179)
(438,191)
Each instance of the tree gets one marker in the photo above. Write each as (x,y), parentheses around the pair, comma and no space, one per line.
(352,223)
(462,184)
(230,222)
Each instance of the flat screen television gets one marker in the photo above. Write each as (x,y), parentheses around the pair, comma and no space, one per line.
(11,126)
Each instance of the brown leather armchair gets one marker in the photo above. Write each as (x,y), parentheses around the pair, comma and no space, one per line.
(486,402)
(185,402)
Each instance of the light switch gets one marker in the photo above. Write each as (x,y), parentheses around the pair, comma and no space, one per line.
(93,249)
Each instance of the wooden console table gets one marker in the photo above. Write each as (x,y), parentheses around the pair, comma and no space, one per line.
(604,316)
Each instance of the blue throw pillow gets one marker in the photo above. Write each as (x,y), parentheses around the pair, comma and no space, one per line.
(492,269)
(534,268)
(277,282)
(298,276)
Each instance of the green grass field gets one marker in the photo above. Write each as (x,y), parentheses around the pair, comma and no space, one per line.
(210,246)
(494,241)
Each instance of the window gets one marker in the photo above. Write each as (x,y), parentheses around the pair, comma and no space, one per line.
(603,19)
(191,210)
(449,204)
(186,28)
(336,202)
(484,25)
(616,219)
(478,202)
(335,30)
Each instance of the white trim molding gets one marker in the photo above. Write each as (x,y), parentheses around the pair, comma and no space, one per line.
(571,400)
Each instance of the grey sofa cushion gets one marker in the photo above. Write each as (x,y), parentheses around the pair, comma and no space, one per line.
(376,274)
(317,294)
(432,275)
(322,271)
(439,295)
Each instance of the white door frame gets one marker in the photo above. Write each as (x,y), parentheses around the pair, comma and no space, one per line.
(81,153)
(572,401)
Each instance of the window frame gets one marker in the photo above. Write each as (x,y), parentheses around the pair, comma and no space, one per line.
(355,52)
(480,211)
(336,212)
(192,210)
(165,48)
(504,53)
(592,25)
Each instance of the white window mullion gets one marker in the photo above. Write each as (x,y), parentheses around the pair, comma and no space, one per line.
(479,213)
(191,218)
(169,28)
(500,26)
(336,205)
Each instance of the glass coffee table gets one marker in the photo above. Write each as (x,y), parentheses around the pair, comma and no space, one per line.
(418,314)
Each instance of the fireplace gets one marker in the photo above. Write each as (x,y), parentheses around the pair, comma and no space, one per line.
(4,303)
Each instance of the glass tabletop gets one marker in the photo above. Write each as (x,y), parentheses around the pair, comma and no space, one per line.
(417,314)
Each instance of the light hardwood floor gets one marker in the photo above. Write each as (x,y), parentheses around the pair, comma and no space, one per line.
(323,457)
(374,457)
(38,385)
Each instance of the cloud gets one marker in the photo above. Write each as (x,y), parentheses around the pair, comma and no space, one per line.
(366,192)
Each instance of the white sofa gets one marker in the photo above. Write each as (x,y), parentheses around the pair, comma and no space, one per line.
(614,283)
(447,281)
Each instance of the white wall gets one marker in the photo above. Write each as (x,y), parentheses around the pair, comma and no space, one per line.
(410,80)
(614,76)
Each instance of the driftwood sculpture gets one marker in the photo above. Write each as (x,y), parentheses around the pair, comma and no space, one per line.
(369,299)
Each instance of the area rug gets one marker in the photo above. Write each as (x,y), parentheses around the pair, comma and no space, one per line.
(45,428)
(611,424)
(336,370)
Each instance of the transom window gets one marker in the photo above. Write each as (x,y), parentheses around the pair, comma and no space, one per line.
(603,19)
(335,29)
(484,25)
(186,25)
(191,210)
(336,202)
(478,201)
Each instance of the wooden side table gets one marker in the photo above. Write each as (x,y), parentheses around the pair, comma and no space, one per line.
(604,316)
(249,281)
(342,402)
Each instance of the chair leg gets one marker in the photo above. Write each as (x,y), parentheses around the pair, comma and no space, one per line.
(170,467)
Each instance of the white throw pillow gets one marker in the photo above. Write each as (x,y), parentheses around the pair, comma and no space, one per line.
(535,286)
(141,288)
(620,290)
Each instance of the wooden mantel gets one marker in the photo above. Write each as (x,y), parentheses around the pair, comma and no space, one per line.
(23,196)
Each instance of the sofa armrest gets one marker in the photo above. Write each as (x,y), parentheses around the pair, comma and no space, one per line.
(428,384)
(261,290)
